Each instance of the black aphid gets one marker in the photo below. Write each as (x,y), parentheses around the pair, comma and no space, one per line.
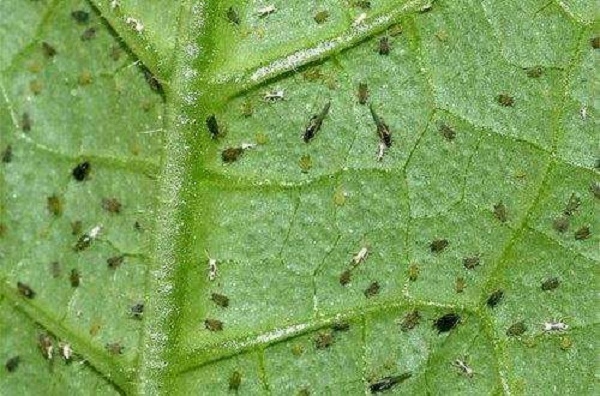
(7,154)
(115,261)
(345,277)
(595,42)
(25,290)
(26,122)
(438,245)
(505,100)
(75,278)
(550,283)
(383,131)
(82,171)
(516,329)
(48,50)
(446,323)
(321,17)
(220,299)
(386,383)
(213,325)
(137,310)
(235,381)
(12,364)
(55,269)
(152,80)
(213,126)
(495,298)
(233,16)
(315,123)
(384,45)
(81,16)
(372,290)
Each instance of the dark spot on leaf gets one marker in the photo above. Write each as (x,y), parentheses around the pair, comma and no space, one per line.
(595,42)
(447,132)
(340,326)
(220,299)
(365,5)
(460,284)
(384,45)
(323,340)
(303,392)
(76,227)
(137,310)
(321,16)
(2,229)
(213,126)
(583,233)
(137,226)
(505,100)
(233,16)
(410,320)
(561,223)
(81,16)
(82,171)
(55,269)
(387,383)
(231,154)
(471,262)
(114,348)
(372,290)
(25,290)
(213,325)
(516,329)
(48,50)
(534,72)
(7,154)
(54,204)
(88,34)
(413,272)
(151,79)
(26,122)
(363,93)
(75,278)
(500,212)
(345,277)
(495,298)
(550,283)
(438,245)
(235,380)
(446,323)
(573,205)
(12,364)
(115,261)
(111,205)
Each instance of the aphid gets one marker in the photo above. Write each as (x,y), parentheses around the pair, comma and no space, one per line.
(7,154)
(573,205)
(561,223)
(303,392)
(464,367)
(361,256)
(460,284)
(447,132)
(383,131)
(65,350)
(566,343)
(81,16)
(26,122)
(321,16)
(137,310)
(76,227)
(595,42)
(86,239)
(426,8)
(85,78)
(410,321)
(82,171)
(231,154)
(446,323)
(274,95)
(438,245)
(505,100)
(114,348)
(365,5)
(583,113)
(115,52)
(345,277)
(46,345)
(315,123)
(151,79)
(395,30)
(49,51)
(500,212)
(297,350)
(212,268)
(471,262)
(137,226)
(372,290)
(583,233)
(381,149)
(534,72)
(384,45)
(516,329)
(75,278)
(550,283)
(233,16)
(305,163)
(111,205)
(115,261)
(594,187)
(323,340)
(114,4)
(555,326)
(213,325)
(247,109)
(264,11)
(386,383)
(363,93)
(213,126)
(220,299)
(235,380)
(88,34)
(495,298)
(25,290)
(340,326)
(55,269)
(12,364)
(135,24)
(359,19)
(36,87)
(54,205)
(413,272)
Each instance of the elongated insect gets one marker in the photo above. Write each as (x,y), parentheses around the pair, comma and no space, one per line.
(555,326)
(386,383)
(361,256)
(464,367)
(315,123)
(264,11)
(383,131)
(212,267)
(272,96)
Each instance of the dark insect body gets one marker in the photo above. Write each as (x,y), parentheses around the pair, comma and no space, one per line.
(314,125)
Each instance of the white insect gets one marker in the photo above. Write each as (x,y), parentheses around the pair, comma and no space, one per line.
(264,11)
(135,24)
(212,267)
(114,4)
(464,367)
(273,96)
(361,256)
(583,113)
(246,146)
(381,150)
(359,20)
(65,350)
(95,232)
(555,326)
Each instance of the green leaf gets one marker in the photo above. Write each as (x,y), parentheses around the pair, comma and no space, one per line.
(272,265)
